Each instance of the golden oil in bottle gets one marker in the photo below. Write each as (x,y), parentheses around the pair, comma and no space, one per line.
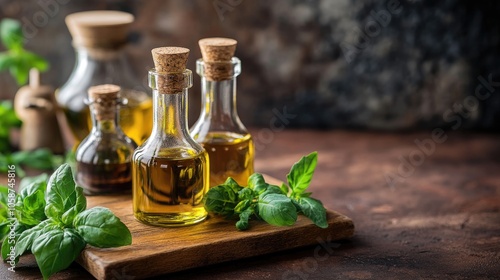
(170,187)
(231,155)
(136,118)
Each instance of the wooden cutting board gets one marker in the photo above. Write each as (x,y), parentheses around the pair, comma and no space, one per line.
(156,250)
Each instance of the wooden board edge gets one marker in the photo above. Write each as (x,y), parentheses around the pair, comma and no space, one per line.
(340,227)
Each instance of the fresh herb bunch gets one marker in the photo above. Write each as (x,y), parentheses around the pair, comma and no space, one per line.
(51,222)
(8,120)
(16,59)
(41,159)
(276,205)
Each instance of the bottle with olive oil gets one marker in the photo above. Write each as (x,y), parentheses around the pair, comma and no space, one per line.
(100,40)
(170,170)
(219,129)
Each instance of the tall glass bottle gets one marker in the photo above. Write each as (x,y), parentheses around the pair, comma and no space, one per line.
(219,129)
(170,170)
(103,158)
(99,38)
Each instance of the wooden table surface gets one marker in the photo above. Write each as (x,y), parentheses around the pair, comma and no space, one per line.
(435,215)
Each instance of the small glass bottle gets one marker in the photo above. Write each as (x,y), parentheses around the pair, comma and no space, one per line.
(170,170)
(219,129)
(103,158)
(99,39)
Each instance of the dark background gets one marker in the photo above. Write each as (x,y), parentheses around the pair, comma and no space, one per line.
(330,63)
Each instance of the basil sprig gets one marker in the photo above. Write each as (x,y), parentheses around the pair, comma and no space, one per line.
(275,205)
(51,222)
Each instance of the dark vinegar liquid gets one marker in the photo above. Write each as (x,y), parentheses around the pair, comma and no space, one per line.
(104,178)
(168,189)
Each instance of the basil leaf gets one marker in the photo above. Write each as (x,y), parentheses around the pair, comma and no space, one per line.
(232,184)
(246,194)
(257,183)
(56,249)
(80,205)
(242,206)
(302,172)
(313,209)
(6,61)
(273,189)
(284,188)
(6,249)
(277,209)
(61,193)
(11,33)
(219,201)
(30,208)
(25,240)
(243,224)
(99,227)
(28,181)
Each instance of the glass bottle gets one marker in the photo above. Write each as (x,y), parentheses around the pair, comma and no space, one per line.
(219,129)
(103,158)
(99,39)
(170,170)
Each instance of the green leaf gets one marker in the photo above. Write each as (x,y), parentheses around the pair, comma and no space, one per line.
(6,249)
(27,237)
(257,183)
(34,61)
(219,200)
(20,73)
(6,61)
(231,183)
(277,209)
(243,224)
(61,193)
(302,172)
(11,33)
(284,188)
(242,205)
(273,189)
(313,209)
(246,194)
(27,181)
(101,228)
(30,205)
(39,159)
(56,249)
(80,205)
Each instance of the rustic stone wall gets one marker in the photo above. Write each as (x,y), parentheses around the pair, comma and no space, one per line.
(319,63)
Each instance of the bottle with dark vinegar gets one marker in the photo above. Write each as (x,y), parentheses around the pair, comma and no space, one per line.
(103,158)
(218,129)
(170,170)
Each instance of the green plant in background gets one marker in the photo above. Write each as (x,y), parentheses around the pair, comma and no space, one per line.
(51,221)
(16,59)
(8,120)
(275,205)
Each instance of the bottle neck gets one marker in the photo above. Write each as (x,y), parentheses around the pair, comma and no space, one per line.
(107,125)
(219,99)
(170,114)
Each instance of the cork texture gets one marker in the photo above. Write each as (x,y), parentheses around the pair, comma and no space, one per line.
(217,54)
(170,63)
(99,29)
(104,99)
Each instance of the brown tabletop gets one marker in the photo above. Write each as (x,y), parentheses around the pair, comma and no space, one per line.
(423,208)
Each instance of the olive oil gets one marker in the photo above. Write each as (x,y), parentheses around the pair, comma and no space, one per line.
(231,155)
(169,187)
(136,118)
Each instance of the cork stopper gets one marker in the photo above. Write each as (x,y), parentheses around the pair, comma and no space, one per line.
(104,99)
(99,29)
(217,54)
(170,66)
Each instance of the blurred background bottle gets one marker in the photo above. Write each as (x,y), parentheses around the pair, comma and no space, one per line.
(99,38)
